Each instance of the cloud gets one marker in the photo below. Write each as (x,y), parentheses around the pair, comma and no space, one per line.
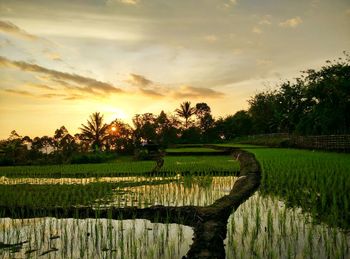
(138,80)
(257,30)
(126,2)
(10,28)
(151,93)
(146,86)
(347,12)
(41,86)
(291,23)
(196,92)
(70,81)
(19,92)
(230,3)
(5,43)
(263,62)
(211,38)
(266,20)
(46,96)
(52,95)
(52,55)
(129,2)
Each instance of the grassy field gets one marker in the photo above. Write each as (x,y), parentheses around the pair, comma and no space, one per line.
(300,191)
(65,195)
(126,166)
(191,149)
(316,181)
(205,165)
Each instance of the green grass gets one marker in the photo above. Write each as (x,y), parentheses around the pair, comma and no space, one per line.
(318,182)
(191,149)
(238,145)
(120,167)
(65,195)
(200,164)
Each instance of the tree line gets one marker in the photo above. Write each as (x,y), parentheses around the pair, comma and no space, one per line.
(316,103)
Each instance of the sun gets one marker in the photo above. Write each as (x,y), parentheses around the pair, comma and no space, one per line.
(114,129)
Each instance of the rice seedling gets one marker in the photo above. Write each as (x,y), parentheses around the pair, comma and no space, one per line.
(118,168)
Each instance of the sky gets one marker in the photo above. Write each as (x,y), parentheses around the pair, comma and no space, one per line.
(62,60)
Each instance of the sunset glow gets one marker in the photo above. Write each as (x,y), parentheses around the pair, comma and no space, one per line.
(60,61)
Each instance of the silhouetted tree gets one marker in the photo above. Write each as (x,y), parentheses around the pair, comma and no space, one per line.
(167,129)
(205,122)
(145,127)
(186,112)
(13,151)
(317,103)
(328,99)
(263,110)
(95,132)
(120,136)
(202,109)
(58,136)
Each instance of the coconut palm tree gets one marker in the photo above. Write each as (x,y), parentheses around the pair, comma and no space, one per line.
(186,111)
(95,132)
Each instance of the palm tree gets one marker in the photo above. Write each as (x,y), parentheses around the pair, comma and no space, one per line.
(186,111)
(95,132)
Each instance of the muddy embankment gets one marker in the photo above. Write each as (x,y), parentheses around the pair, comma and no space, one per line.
(209,223)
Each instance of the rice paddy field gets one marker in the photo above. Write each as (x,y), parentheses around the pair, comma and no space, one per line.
(301,209)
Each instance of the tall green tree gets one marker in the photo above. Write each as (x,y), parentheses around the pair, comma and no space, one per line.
(95,132)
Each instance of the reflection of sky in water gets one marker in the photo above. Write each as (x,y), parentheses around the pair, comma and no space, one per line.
(94,238)
(29,180)
(179,191)
(197,191)
(266,228)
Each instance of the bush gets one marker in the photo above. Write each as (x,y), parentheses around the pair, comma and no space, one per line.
(92,158)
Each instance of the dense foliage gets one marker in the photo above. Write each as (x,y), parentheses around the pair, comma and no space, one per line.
(316,103)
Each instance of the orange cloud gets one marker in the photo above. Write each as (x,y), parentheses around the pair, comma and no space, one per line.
(10,28)
(291,23)
(70,81)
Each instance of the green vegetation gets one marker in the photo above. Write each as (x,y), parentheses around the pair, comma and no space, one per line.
(268,225)
(191,149)
(123,166)
(65,195)
(318,182)
(264,227)
(204,165)
(52,195)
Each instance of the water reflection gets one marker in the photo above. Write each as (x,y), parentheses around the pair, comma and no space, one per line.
(190,190)
(29,180)
(263,227)
(92,238)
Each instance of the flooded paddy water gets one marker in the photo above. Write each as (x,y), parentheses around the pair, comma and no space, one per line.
(92,238)
(264,227)
(261,227)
